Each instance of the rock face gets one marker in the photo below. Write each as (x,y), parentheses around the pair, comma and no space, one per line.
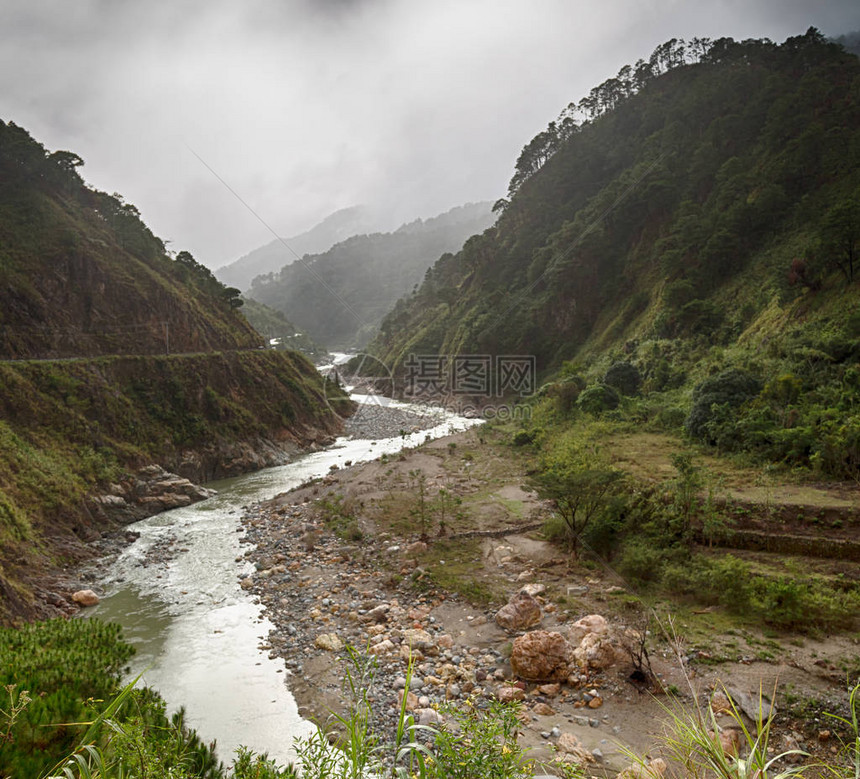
(150,491)
(541,656)
(520,613)
(85,598)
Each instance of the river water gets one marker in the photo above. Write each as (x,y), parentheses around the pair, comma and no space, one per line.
(176,593)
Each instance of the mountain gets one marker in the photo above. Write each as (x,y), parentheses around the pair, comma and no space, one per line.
(118,361)
(82,275)
(696,216)
(274,255)
(339,297)
(280,332)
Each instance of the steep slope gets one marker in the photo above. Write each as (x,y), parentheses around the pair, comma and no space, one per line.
(270,258)
(675,209)
(340,296)
(279,332)
(84,437)
(81,274)
(694,224)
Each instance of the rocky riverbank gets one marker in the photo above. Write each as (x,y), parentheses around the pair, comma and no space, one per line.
(338,563)
(375,420)
(324,595)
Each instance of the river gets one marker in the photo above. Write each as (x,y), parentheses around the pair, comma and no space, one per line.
(176,593)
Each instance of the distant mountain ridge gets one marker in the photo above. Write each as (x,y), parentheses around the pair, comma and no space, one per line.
(339,297)
(337,227)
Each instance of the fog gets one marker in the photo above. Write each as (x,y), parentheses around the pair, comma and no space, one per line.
(301,108)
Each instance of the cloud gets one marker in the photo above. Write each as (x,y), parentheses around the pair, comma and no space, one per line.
(304,106)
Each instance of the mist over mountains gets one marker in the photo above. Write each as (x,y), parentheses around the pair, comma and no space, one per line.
(339,296)
(337,227)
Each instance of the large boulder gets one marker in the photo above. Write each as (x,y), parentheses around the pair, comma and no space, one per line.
(596,651)
(520,613)
(85,598)
(541,656)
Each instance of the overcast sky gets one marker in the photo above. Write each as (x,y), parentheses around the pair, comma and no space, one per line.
(306,106)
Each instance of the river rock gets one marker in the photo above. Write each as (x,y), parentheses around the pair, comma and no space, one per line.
(445,641)
(541,656)
(533,589)
(328,641)
(85,598)
(730,741)
(377,614)
(428,717)
(520,613)
(572,750)
(417,638)
(508,694)
(653,769)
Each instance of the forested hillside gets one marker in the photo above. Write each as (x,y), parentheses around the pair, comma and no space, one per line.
(271,257)
(81,273)
(340,296)
(278,330)
(695,217)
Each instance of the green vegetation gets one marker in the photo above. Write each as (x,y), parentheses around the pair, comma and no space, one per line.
(74,669)
(280,332)
(65,713)
(69,428)
(660,536)
(339,516)
(680,247)
(83,275)
(340,296)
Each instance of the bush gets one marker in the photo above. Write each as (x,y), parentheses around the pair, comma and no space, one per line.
(641,563)
(729,389)
(598,398)
(623,376)
(522,438)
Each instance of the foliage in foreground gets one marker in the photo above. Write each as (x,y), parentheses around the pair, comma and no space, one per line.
(131,737)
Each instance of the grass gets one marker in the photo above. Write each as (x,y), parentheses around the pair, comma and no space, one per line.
(451,566)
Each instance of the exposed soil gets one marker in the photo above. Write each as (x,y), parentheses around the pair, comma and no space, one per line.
(485,548)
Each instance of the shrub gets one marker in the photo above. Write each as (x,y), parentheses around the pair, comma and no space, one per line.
(729,389)
(598,398)
(522,438)
(623,376)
